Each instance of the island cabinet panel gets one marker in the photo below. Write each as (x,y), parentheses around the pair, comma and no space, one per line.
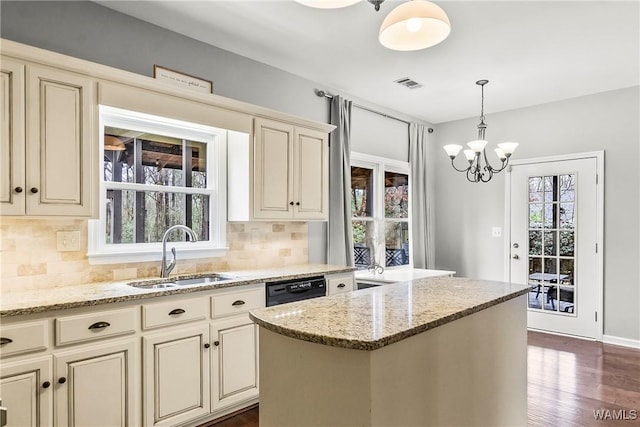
(60,145)
(176,376)
(26,391)
(95,386)
(12,141)
(235,358)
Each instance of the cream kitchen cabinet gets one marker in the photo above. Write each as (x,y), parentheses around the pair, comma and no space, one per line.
(94,385)
(176,376)
(47,141)
(26,390)
(235,359)
(282,174)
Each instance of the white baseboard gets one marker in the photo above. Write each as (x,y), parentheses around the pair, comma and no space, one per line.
(625,342)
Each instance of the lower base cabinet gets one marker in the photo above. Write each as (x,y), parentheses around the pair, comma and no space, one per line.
(235,358)
(25,388)
(176,376)
(94,387)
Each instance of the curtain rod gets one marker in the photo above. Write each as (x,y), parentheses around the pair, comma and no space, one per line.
(322,93)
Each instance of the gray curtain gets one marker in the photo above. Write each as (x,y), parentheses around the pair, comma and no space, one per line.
(421,209)
(339,235)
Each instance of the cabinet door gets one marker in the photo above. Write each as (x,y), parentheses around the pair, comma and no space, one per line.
(235,360)
(26,391)
(176,376)
(12,181)
(273,174)
(311,186)
(95,386)
(60,144)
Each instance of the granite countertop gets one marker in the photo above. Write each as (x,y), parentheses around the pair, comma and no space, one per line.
(60,298)
(376,317)
(395,275)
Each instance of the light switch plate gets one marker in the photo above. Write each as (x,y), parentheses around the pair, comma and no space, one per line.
(68,241)
(496,232)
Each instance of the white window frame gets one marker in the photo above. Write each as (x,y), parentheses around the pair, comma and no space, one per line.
(380,165)
(99,252)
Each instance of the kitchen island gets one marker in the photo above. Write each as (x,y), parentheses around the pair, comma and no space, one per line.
(437,351)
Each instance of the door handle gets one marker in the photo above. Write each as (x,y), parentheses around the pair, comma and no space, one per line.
(516,256)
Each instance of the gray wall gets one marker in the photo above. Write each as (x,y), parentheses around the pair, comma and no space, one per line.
(89,31)
(465,212)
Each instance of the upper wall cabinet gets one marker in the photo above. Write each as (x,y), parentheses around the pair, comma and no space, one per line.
(282,174)
(48,144)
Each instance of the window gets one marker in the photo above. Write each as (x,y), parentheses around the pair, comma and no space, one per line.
(156,173)
(380,211)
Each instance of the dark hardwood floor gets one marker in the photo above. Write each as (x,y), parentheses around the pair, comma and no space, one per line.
(568,379)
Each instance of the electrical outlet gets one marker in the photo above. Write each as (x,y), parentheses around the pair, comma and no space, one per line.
(496,232)
(68,241)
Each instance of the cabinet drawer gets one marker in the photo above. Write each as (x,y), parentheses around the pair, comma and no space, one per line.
(94,326)
(174,312)
(338,285)
(237,302)
(24,337)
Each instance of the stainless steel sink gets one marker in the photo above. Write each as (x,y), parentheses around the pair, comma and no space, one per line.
(177,282)
(202,280)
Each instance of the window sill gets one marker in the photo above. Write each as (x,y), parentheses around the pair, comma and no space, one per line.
(132,256)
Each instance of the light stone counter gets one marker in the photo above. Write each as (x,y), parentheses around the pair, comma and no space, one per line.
(60,298)
(395,275)
(375,317)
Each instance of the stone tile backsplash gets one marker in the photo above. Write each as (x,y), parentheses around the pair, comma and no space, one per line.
(29,258)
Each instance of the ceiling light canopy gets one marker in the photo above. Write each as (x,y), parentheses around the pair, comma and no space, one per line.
(327,4)
(414,25)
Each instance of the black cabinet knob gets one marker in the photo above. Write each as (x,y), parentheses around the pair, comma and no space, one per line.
(297,203)
(34,190)
(291,203)
(216,343)
(18,190)
(62,380)
(207,345)
(46,384)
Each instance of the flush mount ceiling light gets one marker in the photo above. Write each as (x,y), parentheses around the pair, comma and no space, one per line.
(477,171)
(414,25)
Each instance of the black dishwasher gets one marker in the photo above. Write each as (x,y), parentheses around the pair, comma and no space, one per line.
(285,291)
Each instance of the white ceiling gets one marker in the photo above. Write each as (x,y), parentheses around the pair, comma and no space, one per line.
(533,52)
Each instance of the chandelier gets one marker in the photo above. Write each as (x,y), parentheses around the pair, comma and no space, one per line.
(414,25)
(479,169)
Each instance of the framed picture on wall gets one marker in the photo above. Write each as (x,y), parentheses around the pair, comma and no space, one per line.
(185,81)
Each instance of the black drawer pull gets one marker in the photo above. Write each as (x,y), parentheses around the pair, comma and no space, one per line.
(100,325)
(341,285)
(176,311)
(238,302)
(4,341)
(46,384)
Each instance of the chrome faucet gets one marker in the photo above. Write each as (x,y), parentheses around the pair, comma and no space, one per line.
(166,268)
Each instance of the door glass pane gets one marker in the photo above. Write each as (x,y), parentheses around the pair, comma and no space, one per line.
(550,243)
(396,239)
(363,249)
(535,215)
(551,250)
(361,192)
(396,195)
(535,242)
(567,243)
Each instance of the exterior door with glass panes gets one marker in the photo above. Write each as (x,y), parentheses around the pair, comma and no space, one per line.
(554,231)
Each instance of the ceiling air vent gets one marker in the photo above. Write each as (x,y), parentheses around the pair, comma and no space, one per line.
(408,83)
